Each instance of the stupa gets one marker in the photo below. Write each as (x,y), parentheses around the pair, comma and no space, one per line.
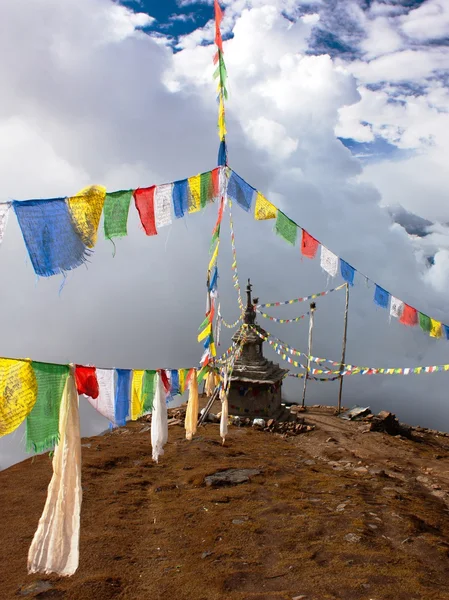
(256,383)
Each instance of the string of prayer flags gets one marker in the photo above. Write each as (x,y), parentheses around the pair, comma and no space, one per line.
(85,209)
(55,545)
(381,297)
(50,237)
(162,205)
(104,402)
(159,421)
(286,228)
(347,272)
(409,316)
(144,201)
(396,307)
(4,214)
(180,198)
(309,245)
(116,209)
(264,210)
(136,394)
(42,424)
(122,394)
(329,261)
(424,322)
(86,381)
(240,191)
(148,390)
(18,393)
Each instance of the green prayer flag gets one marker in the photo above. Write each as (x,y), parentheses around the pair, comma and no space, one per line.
(116,207)
(42,424)
(148,391)
(201,374)
(424,322)
(286,228)
(203,324)
(214,239)
(206,188)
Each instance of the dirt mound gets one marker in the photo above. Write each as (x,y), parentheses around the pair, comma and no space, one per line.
(334,513)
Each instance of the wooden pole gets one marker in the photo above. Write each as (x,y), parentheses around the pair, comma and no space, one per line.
(309,351)
(343,350)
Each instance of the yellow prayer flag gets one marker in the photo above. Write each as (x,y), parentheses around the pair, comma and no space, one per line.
(85,209)
(206,331)
(214,256)
(136,395)
(18,393)
(212,349)
(264,209)
(436,329)
(194,193)
(182,380)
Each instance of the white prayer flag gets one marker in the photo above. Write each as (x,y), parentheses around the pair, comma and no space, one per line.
(329,261)
(4,212)
(104,404)
(396,307)
(162,204)
(159,421)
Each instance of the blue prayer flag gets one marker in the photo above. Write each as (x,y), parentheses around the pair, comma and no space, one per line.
(381,297)
(240,191)
(222,154)
(52,242)
(180,197)
(347,272)
(213,282)
(446,331)
(122,396)
(174,382)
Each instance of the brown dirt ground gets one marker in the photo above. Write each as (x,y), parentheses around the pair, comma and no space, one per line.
(156,531)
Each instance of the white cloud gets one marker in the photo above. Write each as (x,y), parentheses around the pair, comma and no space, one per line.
(430,21)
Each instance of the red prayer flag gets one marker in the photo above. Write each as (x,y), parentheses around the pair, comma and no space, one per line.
(216,182)
(144,200)
(309,245)
(165,380)
(218,19)
(86,381)
(409,316)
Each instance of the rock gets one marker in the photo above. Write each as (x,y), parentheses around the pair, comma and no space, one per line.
(34,587)
(302,597)
(341,507)
(206,554)
(361,470)
(230,477)
(353,538)
(331,439)
(258,423)
(310,462)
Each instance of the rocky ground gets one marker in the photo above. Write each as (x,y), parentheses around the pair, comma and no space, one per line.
(337,512)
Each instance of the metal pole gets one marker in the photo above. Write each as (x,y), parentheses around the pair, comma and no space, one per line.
(343,351)
(312,310)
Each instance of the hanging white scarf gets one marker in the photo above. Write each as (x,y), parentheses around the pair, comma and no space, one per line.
(104,404)
(224,415)
(159,421)
(55,546)
(191,419)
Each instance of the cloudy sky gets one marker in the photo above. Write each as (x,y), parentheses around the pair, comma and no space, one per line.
(338,112)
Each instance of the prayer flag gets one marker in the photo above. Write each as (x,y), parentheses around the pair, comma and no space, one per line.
(409,316)
(240,191)
(136,395)
(396,307)
(264,209)
(122,394)
(144,200)
(309,245)
(381,297)
(148,391)
(436,329)
(182,380)
(165,380)
(4,213)
(191,418)
(329,261)
(206,189)
(205,333)
(162,205)
(174,382)
(42,425)
(18,393)
(86,381)
(104,403)
(180,198)
(286,228)
(347,272)
(214,256)
(222,154)
(194,198)
(159,423)
(424,322)
(50,237)
(218,19)
(216,183)
(116,208)
(85,209)
(446,331)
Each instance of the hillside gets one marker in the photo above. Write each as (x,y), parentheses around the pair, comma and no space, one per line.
(335,513)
